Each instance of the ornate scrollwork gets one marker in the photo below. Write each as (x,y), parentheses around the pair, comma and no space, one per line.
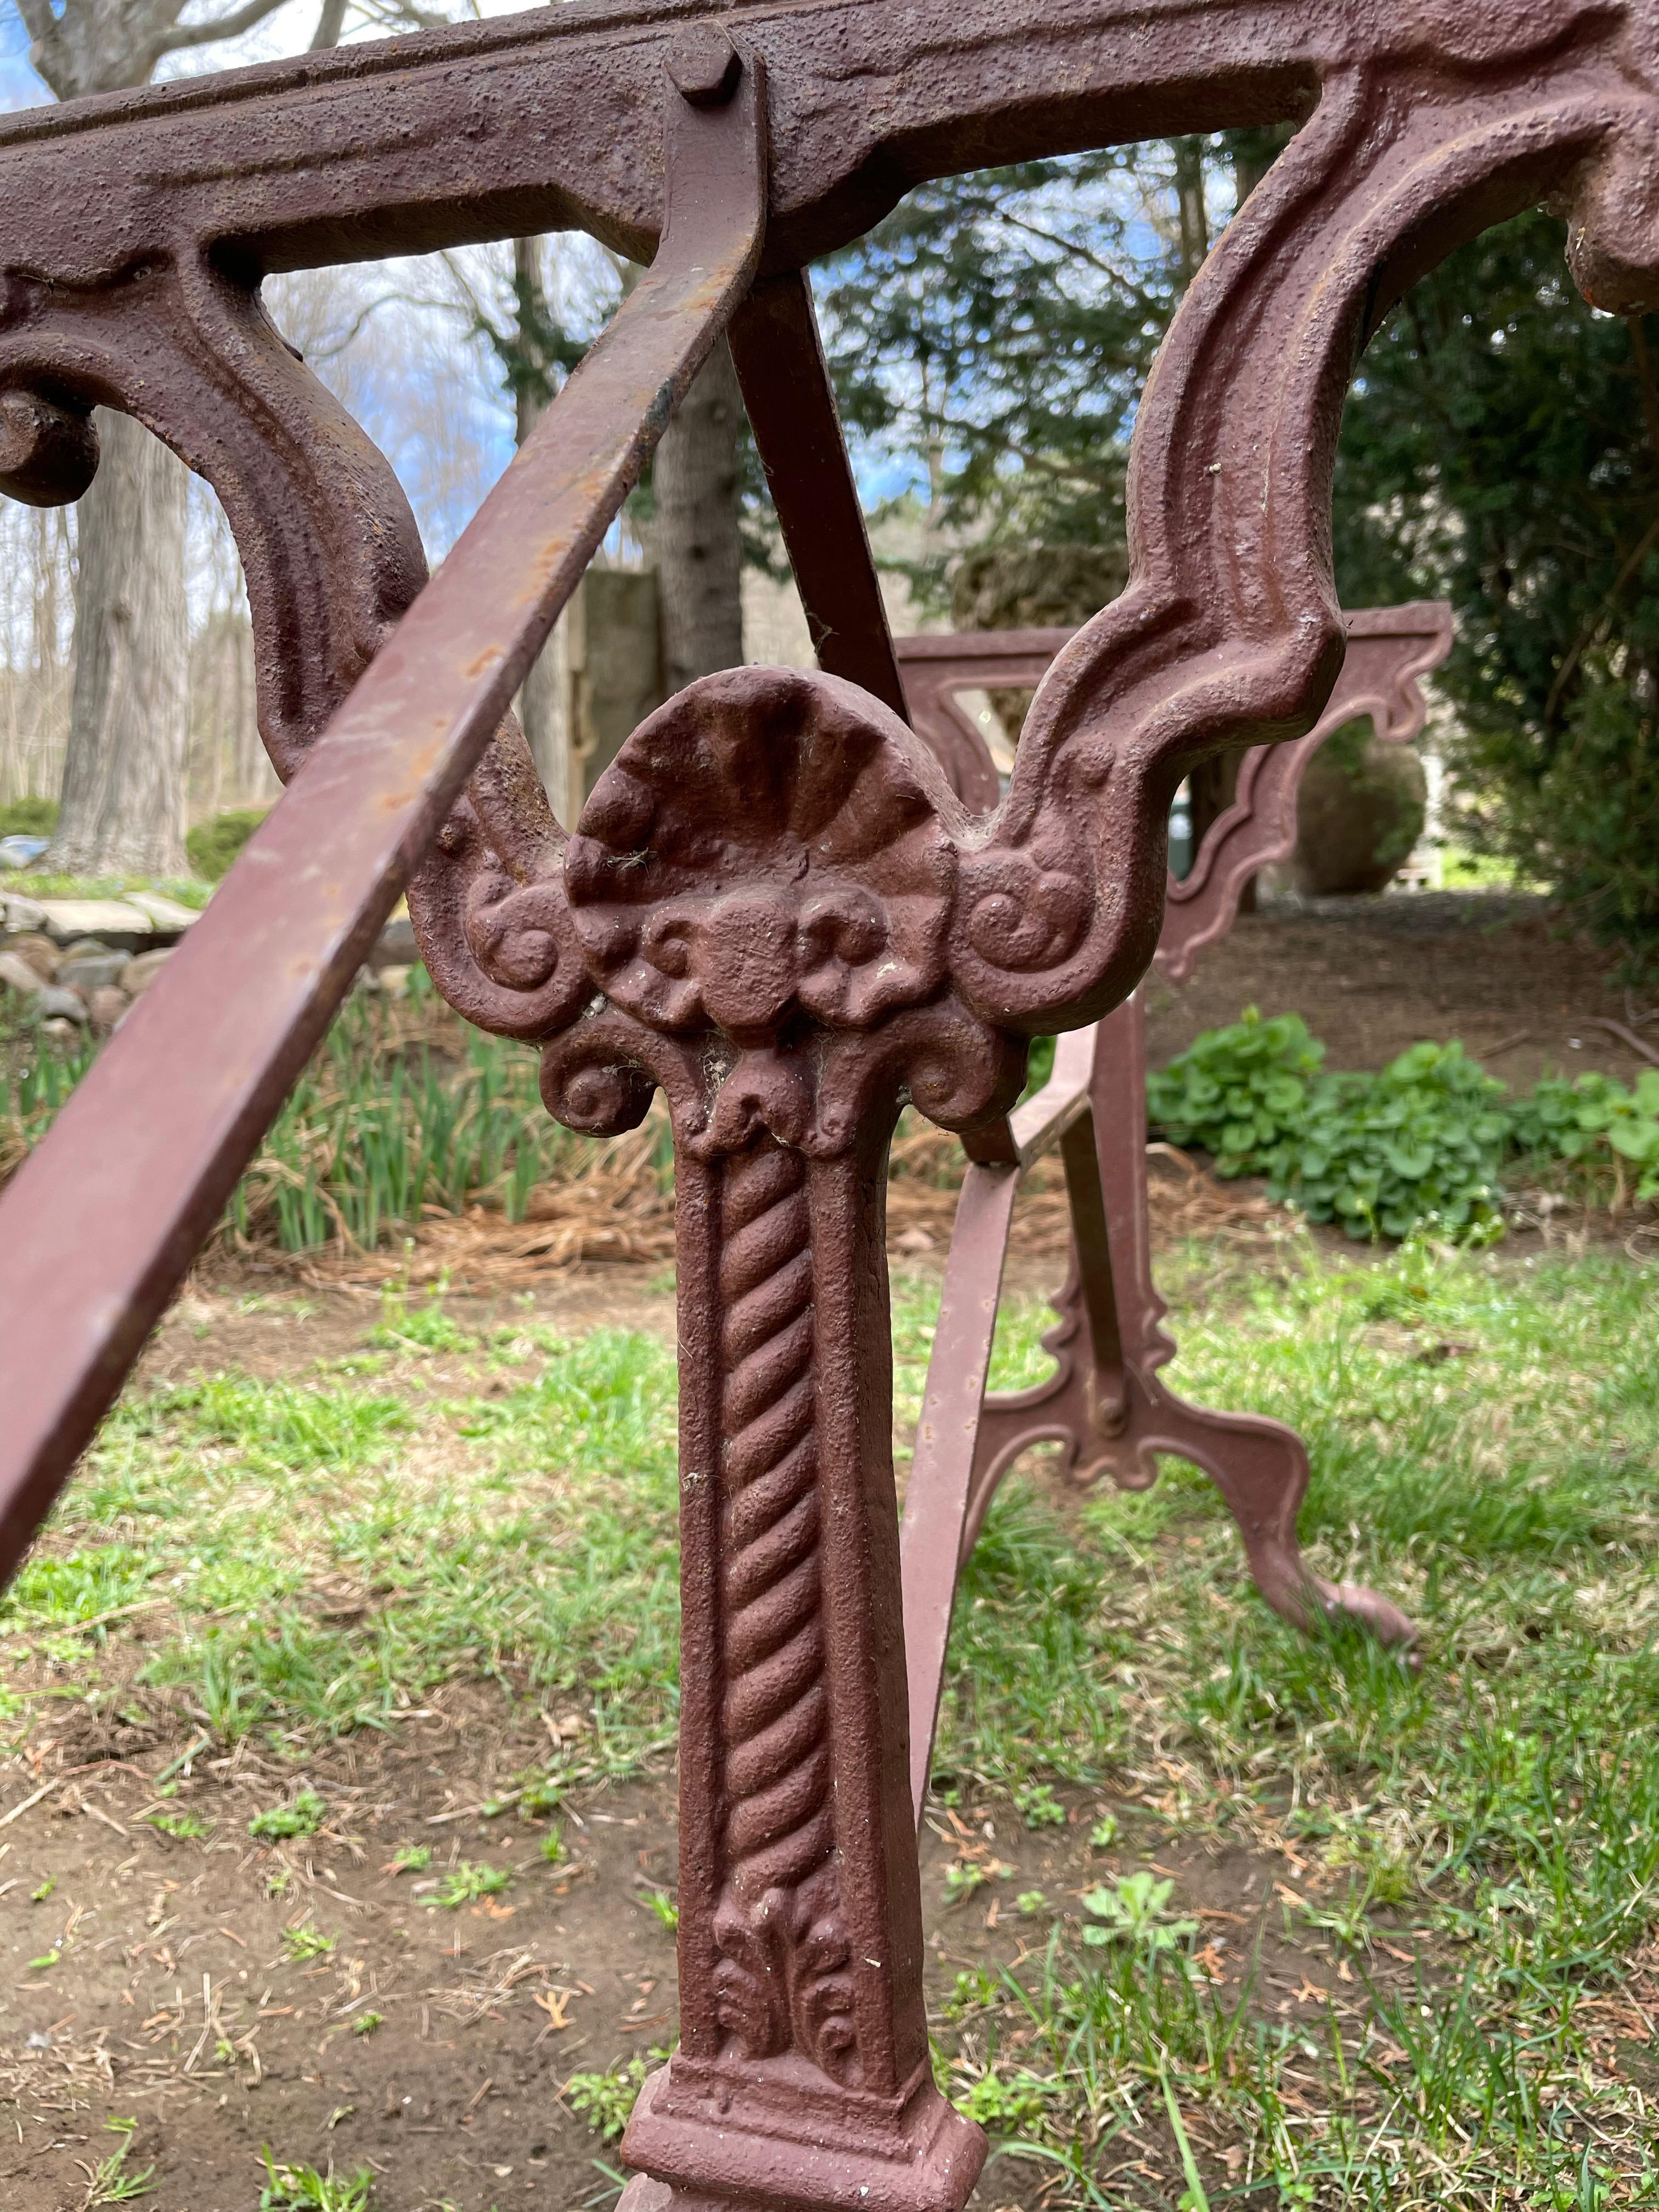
(1228,635)
(770,848)
(764,886)
(1229,632)
(774,909)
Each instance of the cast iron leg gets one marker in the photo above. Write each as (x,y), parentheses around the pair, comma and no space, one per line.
(803,2075)
(1107,1407)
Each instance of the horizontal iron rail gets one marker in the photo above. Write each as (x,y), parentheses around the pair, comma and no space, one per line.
(437,138)
(99,1227)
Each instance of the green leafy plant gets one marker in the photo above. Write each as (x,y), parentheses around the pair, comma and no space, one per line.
(213,845)
(1007,2107)
(401,1112)
(302,2189)
(974,1988)
(1237,1092)
(606,2101)
(1104,1832)
(1038,1807)
(306,1942)
(366,2023)
(185,1826)
(660,1902)
(424,1326)
(1423,1140)
(553,1846)
(301,1816)
(109,2182)
(411,1858)
(28,817)
(466,1883)
(962,1879)
(1596,1124)
(1133,1910)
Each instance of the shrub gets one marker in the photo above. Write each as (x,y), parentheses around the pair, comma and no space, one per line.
(1423,1140)
(1426,1140)
(1237,1092)
(28,817)
(213,845)
(1595,1123)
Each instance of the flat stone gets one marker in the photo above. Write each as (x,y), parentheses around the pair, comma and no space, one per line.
(168,917)
(107,1006)
(22,913)
(92,971)
(54,1004)
(141,971)
(18,975)
(114,921)
(85,948)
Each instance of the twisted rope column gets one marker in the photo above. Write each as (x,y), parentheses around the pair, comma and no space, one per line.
(777,1926)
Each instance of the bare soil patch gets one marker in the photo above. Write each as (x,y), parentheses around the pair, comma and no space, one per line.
(177,1998)
(1371,976)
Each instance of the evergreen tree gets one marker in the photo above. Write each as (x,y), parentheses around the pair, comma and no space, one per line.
(990,338)
(1501,448)
(990,341)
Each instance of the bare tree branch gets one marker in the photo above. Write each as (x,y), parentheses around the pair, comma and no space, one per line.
(330,24)
(400,15)
(223,27)
(38,20)
(46,41)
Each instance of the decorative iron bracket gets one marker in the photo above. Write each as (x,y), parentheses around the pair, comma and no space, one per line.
(1106,1405)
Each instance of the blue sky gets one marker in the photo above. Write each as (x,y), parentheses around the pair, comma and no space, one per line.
(19,85)
(286,32)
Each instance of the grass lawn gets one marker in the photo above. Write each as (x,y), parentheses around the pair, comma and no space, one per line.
(306,1551)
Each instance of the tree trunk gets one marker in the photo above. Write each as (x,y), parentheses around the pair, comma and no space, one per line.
(543,708)
(126,769)
(1190,203)
(126,790)
(124,773)
(699,550)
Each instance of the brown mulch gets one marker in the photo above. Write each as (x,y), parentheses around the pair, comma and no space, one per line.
(618,1210)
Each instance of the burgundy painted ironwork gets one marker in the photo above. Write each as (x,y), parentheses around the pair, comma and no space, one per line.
(776,905)
(1105,1405)
(153,1138)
